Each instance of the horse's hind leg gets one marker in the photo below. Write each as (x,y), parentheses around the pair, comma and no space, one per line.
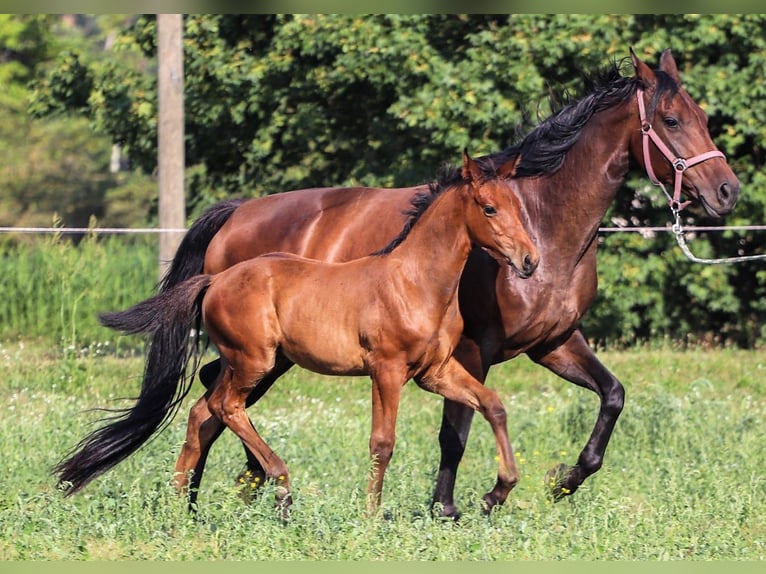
(253,476)
(576,362)
(227,402)
(202,431)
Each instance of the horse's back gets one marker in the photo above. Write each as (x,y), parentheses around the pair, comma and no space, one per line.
(331,224)
(295,304)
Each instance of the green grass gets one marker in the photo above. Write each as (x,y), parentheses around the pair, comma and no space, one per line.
(684,476)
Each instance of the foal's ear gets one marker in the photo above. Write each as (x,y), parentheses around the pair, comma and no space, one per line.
(508,169)
(668,65)
(470,171)
(643,72)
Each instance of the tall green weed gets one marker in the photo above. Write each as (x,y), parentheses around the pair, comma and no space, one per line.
(54,288)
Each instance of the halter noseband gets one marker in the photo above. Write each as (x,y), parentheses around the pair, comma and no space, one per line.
(679,164)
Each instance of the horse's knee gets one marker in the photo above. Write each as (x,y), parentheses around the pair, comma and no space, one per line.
(494,411)
(381,449)
(614,399)
(456,423)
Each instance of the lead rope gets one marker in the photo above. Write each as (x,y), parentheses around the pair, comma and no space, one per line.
(681,240)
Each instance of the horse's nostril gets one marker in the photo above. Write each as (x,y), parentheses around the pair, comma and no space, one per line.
(724,192)
(529,264)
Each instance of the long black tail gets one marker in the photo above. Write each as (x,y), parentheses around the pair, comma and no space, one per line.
(190,256)
(168,318)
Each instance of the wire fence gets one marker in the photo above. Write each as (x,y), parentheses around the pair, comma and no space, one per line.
(148,230)
(80,230)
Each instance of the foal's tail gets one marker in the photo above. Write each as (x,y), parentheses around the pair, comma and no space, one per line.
(167,318)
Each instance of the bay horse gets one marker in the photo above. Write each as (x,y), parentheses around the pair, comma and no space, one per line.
(393,316)
(573,164)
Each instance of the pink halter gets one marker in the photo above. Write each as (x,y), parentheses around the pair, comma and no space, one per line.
(680,164)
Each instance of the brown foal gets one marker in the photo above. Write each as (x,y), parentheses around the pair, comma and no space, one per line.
(393,316)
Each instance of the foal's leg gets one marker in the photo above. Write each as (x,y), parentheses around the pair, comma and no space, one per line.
(227,403)
(202,430)
(576,362)
(453,382)
(253,476)
(386,394)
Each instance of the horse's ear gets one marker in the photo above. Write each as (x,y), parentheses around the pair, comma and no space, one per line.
(668,65)
(470,171)
(643,72)
(508,169)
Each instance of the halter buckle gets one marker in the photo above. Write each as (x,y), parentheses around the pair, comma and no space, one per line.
(680,164)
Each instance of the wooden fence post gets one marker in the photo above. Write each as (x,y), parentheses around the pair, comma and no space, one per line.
(170,134)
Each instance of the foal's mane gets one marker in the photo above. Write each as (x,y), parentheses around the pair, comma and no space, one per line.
(449,177)
(544,148)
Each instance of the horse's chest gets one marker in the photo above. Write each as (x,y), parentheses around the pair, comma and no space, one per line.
(544,308)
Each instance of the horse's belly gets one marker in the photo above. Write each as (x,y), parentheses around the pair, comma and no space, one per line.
(330,354)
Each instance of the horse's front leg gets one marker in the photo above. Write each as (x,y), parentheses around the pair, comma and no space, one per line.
(386,394)
(455,383)
(454,431)
(576,362)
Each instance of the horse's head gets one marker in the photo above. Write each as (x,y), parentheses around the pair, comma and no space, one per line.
(495,216)
(674,135)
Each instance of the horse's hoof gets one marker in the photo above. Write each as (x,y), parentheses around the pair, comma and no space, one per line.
(488,503)
(446,512)
(283,503)
(555,479)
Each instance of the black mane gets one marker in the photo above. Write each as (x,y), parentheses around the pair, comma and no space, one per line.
(544,148)
(448,177)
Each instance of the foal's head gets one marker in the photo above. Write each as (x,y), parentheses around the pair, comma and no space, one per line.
(495,216)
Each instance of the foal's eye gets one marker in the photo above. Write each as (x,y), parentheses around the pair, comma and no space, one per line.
(489,211)
(671,122)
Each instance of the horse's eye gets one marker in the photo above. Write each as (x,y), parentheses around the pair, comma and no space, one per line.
(671,122)
(489,211)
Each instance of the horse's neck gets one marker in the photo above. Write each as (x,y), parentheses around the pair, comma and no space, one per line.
(574,200)
(436,248)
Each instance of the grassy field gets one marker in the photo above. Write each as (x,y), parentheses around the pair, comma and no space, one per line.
(684,476)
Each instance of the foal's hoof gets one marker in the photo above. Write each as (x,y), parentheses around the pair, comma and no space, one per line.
(284,501)
(488,503)
(555,480)
(249,483)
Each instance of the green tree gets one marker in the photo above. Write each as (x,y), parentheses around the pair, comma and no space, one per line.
(56,168)
(277,102)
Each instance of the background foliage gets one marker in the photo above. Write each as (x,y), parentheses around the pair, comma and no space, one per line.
(277,102)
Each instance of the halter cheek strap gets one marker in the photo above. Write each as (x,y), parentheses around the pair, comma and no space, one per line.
(679,164)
